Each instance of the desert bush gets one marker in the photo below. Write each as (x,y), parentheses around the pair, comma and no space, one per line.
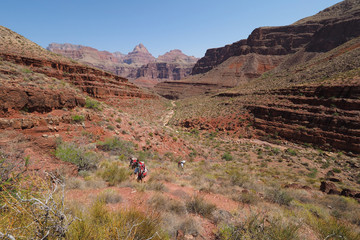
(110,127)
(176,206)
(117,146)
(75,183)
(331,228)
(110,196)
(11,170)
(156,186)
(100,223)
(255,227)
(248,198)
(37,211)
(94,183)
(343,208)
(69,152)
(279,196)
(93,104)
(227,156)
(189,225)
(198,205)
(237,178)
(26,70)
(159,202)
(113,174)
(162,175)
(291,152)
(78,118)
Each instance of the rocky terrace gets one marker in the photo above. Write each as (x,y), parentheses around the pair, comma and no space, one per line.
(322,115)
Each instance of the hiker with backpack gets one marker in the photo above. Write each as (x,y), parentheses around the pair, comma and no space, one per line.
(181,164)
(133,162)
(142,173)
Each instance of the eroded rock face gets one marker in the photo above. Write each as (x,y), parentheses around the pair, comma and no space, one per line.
(95,82)
(327,116)
(323,32)
(34,99)
(139,56)
(164,71)
(139,63)
(264,41)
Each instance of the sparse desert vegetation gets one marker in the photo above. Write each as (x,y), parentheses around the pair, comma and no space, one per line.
(276,157)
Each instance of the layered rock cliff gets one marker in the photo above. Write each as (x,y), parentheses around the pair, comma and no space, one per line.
(26,69)
(323,31)
(139,63)
(271,49)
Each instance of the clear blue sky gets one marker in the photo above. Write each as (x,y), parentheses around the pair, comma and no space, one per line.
(161,25)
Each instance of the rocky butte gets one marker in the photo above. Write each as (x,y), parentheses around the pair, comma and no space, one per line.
(139,66)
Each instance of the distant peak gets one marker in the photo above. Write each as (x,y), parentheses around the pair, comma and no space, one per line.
(176,50)
(140,48)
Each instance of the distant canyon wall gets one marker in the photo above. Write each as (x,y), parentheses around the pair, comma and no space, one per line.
(139,63)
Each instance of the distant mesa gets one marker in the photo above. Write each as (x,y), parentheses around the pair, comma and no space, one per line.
(139,66)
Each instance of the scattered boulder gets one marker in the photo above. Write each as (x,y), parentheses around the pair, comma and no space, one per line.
(347,193)
(326,187)
(332,179)
(179,235)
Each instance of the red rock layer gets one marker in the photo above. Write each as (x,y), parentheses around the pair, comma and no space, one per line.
(35,99)
(326,116)
(95,82)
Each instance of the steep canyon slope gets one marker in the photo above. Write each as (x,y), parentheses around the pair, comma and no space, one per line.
(43,94)
(270,48)
(307,93)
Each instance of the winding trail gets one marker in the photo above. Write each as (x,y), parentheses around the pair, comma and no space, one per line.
(169,114)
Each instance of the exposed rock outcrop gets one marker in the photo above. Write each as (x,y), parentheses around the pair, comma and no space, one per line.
(274,48)
(326,116)
(95,82)
(34,99)
(323,32)
(139,56)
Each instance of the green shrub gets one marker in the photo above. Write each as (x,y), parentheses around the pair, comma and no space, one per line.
(279,196)
(189,225)
(78,118)
(159,202)
(69,152)
(117,146)
(110,127)
(176,206)
(227,156)
(156,186)
(26,70)
(36,211)
(257,228)
(237,178)
(331,228)
(198,205)
(247,198)
(93,104)
(291,152)
(100,223)
(110,196)
(312,173)
(114,174)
